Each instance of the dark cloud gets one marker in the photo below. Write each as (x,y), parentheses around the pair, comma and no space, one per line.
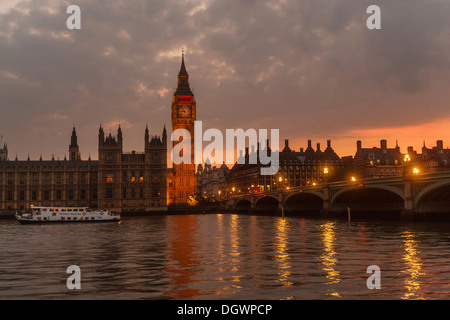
(310,68)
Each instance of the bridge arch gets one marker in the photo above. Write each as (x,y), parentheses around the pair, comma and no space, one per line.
(434,198)
(303,203)
(293,194)
(369,200)
(392,189)
(266,204)
(243,203)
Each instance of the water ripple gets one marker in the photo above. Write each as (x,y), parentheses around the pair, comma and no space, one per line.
(225,256)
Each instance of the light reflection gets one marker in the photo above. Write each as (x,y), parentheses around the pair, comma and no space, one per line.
(413,266)
(328,258)
(181,252)
(234,239)
(282,253)
(230,259)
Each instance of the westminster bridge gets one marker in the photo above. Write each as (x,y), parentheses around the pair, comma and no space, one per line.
(412,195)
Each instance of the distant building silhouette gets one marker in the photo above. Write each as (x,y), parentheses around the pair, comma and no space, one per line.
(211,180)
(431,159)
(296,169)
(378,162)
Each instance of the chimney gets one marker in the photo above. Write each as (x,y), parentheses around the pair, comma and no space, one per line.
(318,146)
(286,146)
(358,145)
(329,149)
(246,150)
(440,144)
(309,146)
(383,144)
(410,150)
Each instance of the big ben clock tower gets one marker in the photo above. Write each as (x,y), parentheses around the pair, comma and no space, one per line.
(184,181)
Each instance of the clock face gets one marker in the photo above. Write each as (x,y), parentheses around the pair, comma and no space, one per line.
(184,111)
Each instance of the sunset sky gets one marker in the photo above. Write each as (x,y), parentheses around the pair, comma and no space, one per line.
(310,68)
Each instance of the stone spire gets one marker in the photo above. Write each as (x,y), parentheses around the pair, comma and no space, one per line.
(183,88)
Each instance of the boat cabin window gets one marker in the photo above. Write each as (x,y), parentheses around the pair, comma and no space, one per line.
(69,210)
(44,209)
(54,214)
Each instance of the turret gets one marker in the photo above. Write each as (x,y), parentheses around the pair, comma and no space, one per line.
(164,135)
(101,136)
(119,135)
(74,150)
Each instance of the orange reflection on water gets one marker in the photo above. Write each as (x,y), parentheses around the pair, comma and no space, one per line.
(328,258)
(181,242)
(281,253)
(413,266)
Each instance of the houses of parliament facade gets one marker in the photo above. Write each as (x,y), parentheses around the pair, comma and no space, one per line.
(118,180)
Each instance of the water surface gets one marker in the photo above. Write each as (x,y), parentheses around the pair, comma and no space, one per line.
(225,256)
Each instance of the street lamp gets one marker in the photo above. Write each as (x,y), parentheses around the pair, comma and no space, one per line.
(407,165)
(416,171)
(325,173)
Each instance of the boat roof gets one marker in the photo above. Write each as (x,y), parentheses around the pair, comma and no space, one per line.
(56,207)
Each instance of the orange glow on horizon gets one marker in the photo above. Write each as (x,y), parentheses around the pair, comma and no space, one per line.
(413,135)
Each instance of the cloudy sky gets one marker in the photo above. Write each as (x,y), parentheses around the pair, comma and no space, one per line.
(310,68)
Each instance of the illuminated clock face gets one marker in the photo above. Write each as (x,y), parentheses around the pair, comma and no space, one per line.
(184,111)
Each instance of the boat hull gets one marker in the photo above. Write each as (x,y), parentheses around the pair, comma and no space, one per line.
(31,221)
(27,221)
(51,215)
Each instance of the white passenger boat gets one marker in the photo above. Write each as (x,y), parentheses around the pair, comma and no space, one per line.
(66,214)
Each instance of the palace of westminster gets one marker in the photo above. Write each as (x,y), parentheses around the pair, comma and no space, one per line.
(118,180)
(142,182)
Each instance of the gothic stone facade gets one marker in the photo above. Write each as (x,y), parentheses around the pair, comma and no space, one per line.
(117,180)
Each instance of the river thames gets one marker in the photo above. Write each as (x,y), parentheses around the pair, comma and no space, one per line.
(225,256)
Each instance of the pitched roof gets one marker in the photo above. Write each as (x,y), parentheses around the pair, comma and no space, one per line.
(183,88)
